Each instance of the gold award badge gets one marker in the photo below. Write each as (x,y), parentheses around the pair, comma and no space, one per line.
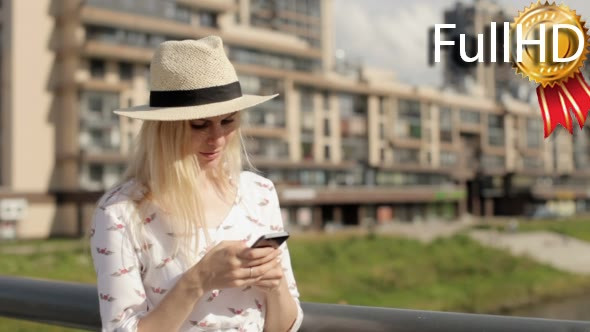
(551,47)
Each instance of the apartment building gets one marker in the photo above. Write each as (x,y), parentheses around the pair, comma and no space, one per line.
(343,146)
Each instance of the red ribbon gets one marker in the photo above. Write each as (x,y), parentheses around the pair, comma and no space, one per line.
(557,101)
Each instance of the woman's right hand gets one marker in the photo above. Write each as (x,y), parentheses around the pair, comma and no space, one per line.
(231,264)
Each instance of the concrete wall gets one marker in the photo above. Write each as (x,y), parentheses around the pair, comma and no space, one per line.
(29,99)
(36,224)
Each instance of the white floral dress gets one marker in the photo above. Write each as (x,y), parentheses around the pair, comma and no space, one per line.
(131,283)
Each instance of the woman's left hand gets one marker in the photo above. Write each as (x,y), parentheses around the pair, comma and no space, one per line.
(272,279)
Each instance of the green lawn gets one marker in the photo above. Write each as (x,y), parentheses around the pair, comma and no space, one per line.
(454,274)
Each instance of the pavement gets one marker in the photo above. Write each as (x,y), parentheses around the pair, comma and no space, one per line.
(424,231)
(560,251)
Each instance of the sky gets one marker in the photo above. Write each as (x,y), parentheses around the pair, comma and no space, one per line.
(392,34)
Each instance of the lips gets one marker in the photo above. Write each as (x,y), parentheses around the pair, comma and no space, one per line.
(209,155)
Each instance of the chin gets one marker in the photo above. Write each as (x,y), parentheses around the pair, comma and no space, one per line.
(208,165)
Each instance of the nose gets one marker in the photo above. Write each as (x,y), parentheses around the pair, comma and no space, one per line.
(215,133)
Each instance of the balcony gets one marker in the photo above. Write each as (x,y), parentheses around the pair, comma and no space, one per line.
(212,5)
(354,126)
(270,114)
(157,9)
(99,139)
(267,148)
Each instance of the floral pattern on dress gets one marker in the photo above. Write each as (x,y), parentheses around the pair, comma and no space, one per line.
(106,297)
(123,271)
(104,251)
(214,294)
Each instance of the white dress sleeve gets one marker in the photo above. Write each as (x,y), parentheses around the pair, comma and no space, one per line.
(121,292)
(276,221)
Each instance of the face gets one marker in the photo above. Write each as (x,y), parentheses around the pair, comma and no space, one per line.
(210,136)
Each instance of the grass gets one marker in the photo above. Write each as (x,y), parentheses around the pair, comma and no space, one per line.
(454,274)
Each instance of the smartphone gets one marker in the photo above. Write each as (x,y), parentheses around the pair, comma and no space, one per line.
(271,240)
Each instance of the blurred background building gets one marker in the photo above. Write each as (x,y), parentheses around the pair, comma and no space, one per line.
(344,143)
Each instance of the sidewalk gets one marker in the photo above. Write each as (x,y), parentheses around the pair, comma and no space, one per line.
(560,251)
(424,231)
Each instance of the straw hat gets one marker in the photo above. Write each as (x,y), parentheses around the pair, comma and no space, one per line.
(192,79)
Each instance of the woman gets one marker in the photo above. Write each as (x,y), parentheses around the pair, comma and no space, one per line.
(171,242)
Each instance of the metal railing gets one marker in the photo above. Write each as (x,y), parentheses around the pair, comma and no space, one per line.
(76,305)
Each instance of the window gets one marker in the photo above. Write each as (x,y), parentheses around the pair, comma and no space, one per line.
(169,9)
(326,101)
(446,124)
(492,162)
(155,40)
(448,159)
(326,127)
(581,148)
(532,163)
(346,104)
(95,172)
(125,37)
(307,150)
(406,156)
(165,9)
(306,99)
(125,71)
(298,18)
(355,149)
(97,68)
(312,177)
(327,152)
(405,178)
(470,117)
(95,103)
(177,12)
(360,105)
(96,137)
(271,113)
(275,60)
(208,19)
(495,130)
(409,124)
(136,38)
(267,148)
(99,103)
(534,133)
(99,126)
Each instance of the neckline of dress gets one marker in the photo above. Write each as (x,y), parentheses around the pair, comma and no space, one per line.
(237,199)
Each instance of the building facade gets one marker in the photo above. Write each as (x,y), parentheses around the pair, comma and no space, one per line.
(343,146)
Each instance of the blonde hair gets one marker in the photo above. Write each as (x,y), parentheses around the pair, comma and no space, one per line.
(163,162)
